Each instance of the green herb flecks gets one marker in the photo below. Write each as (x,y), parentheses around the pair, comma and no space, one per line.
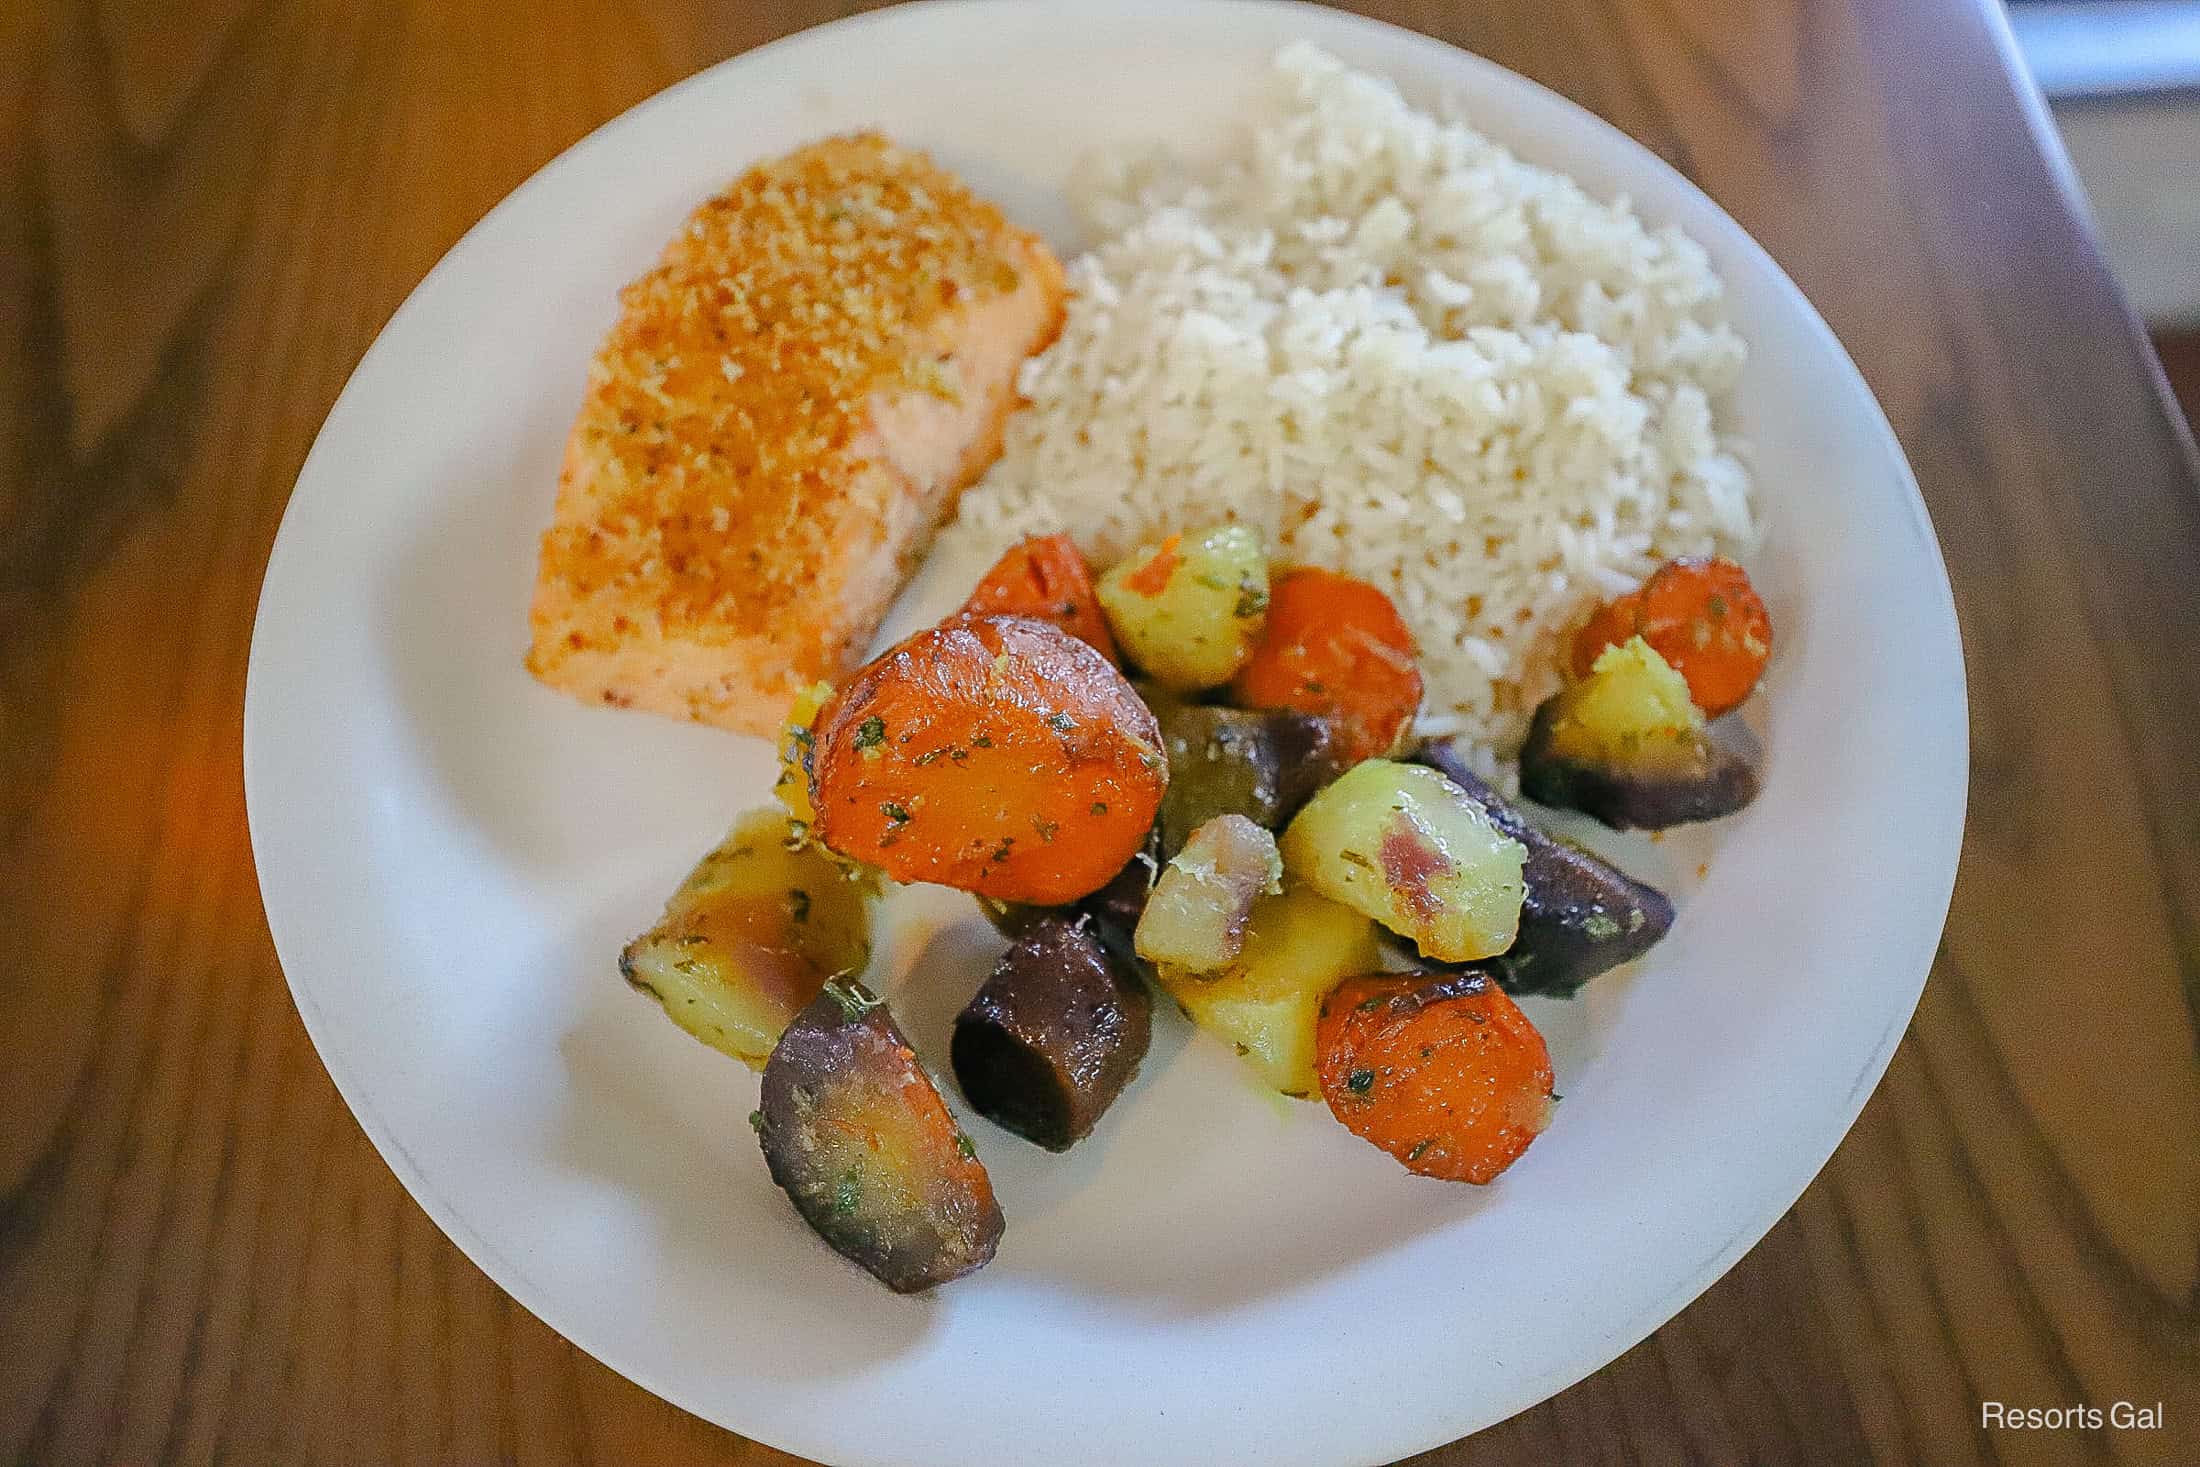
(871,732)
(853,998)
(1360,1082)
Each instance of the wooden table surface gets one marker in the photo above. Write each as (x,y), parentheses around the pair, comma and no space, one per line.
(208,208)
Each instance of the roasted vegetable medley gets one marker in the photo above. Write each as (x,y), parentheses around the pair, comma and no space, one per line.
(1194,773)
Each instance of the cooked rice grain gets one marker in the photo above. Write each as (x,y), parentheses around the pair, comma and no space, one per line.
(1401,353)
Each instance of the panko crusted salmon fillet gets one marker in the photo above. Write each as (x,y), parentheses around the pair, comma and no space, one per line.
(787,407)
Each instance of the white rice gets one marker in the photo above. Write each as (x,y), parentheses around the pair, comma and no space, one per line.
(1401,353)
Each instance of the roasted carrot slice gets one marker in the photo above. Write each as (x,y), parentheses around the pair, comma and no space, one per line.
(1442,1071)
(1703,617)
(1337,647)
(1046,577)
(997,754)
(1616,621)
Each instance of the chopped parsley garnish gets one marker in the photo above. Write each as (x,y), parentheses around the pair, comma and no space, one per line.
(798,904)
(1045,827)
(756,1120)
(1099,807)
(1418,1148)
(848,1193)
(1601,926)
(1061,722)
(964,1144)
(896,814)
(1359,1082)
(1252,599)
(981,741)
(1354,858)
(871,732)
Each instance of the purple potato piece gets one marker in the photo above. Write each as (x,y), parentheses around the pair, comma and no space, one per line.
(1582,916)
(1713,781)
(858,1137)
(1056,1032)
(1227,761)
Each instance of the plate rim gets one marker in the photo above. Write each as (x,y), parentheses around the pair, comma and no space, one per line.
(513,1278)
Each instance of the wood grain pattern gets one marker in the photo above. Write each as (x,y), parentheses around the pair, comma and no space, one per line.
(208,207)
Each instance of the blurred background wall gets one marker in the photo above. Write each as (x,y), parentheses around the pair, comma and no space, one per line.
(2123,79)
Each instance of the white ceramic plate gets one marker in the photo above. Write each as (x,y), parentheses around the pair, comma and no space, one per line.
(451,856)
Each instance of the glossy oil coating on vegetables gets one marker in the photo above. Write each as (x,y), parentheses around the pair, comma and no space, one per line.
(1336,647)
(1228,761)
(1195,916)
(997,754)
(1582,915)
(1405,846)
(1298,945)
(1056,1032)
(1189,610)
(1628,746)
(1046,577)
(1442,1071)
(857,1135)
(750,935)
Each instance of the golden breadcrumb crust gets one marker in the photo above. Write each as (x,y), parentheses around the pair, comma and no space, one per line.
(786,405)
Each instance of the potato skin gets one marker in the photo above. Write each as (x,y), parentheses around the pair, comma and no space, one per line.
(1056,1032)
(1195,917)
(1627,746)
(855,1133)
(1712,781)
(996,754)
(1582,916)
(1404,845)
(1442,1071)
(750,936)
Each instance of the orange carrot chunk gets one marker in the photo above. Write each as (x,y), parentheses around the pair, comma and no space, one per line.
(1441,1070)
(1701,616)
(1046,577)
(1336,647)
(997,754)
